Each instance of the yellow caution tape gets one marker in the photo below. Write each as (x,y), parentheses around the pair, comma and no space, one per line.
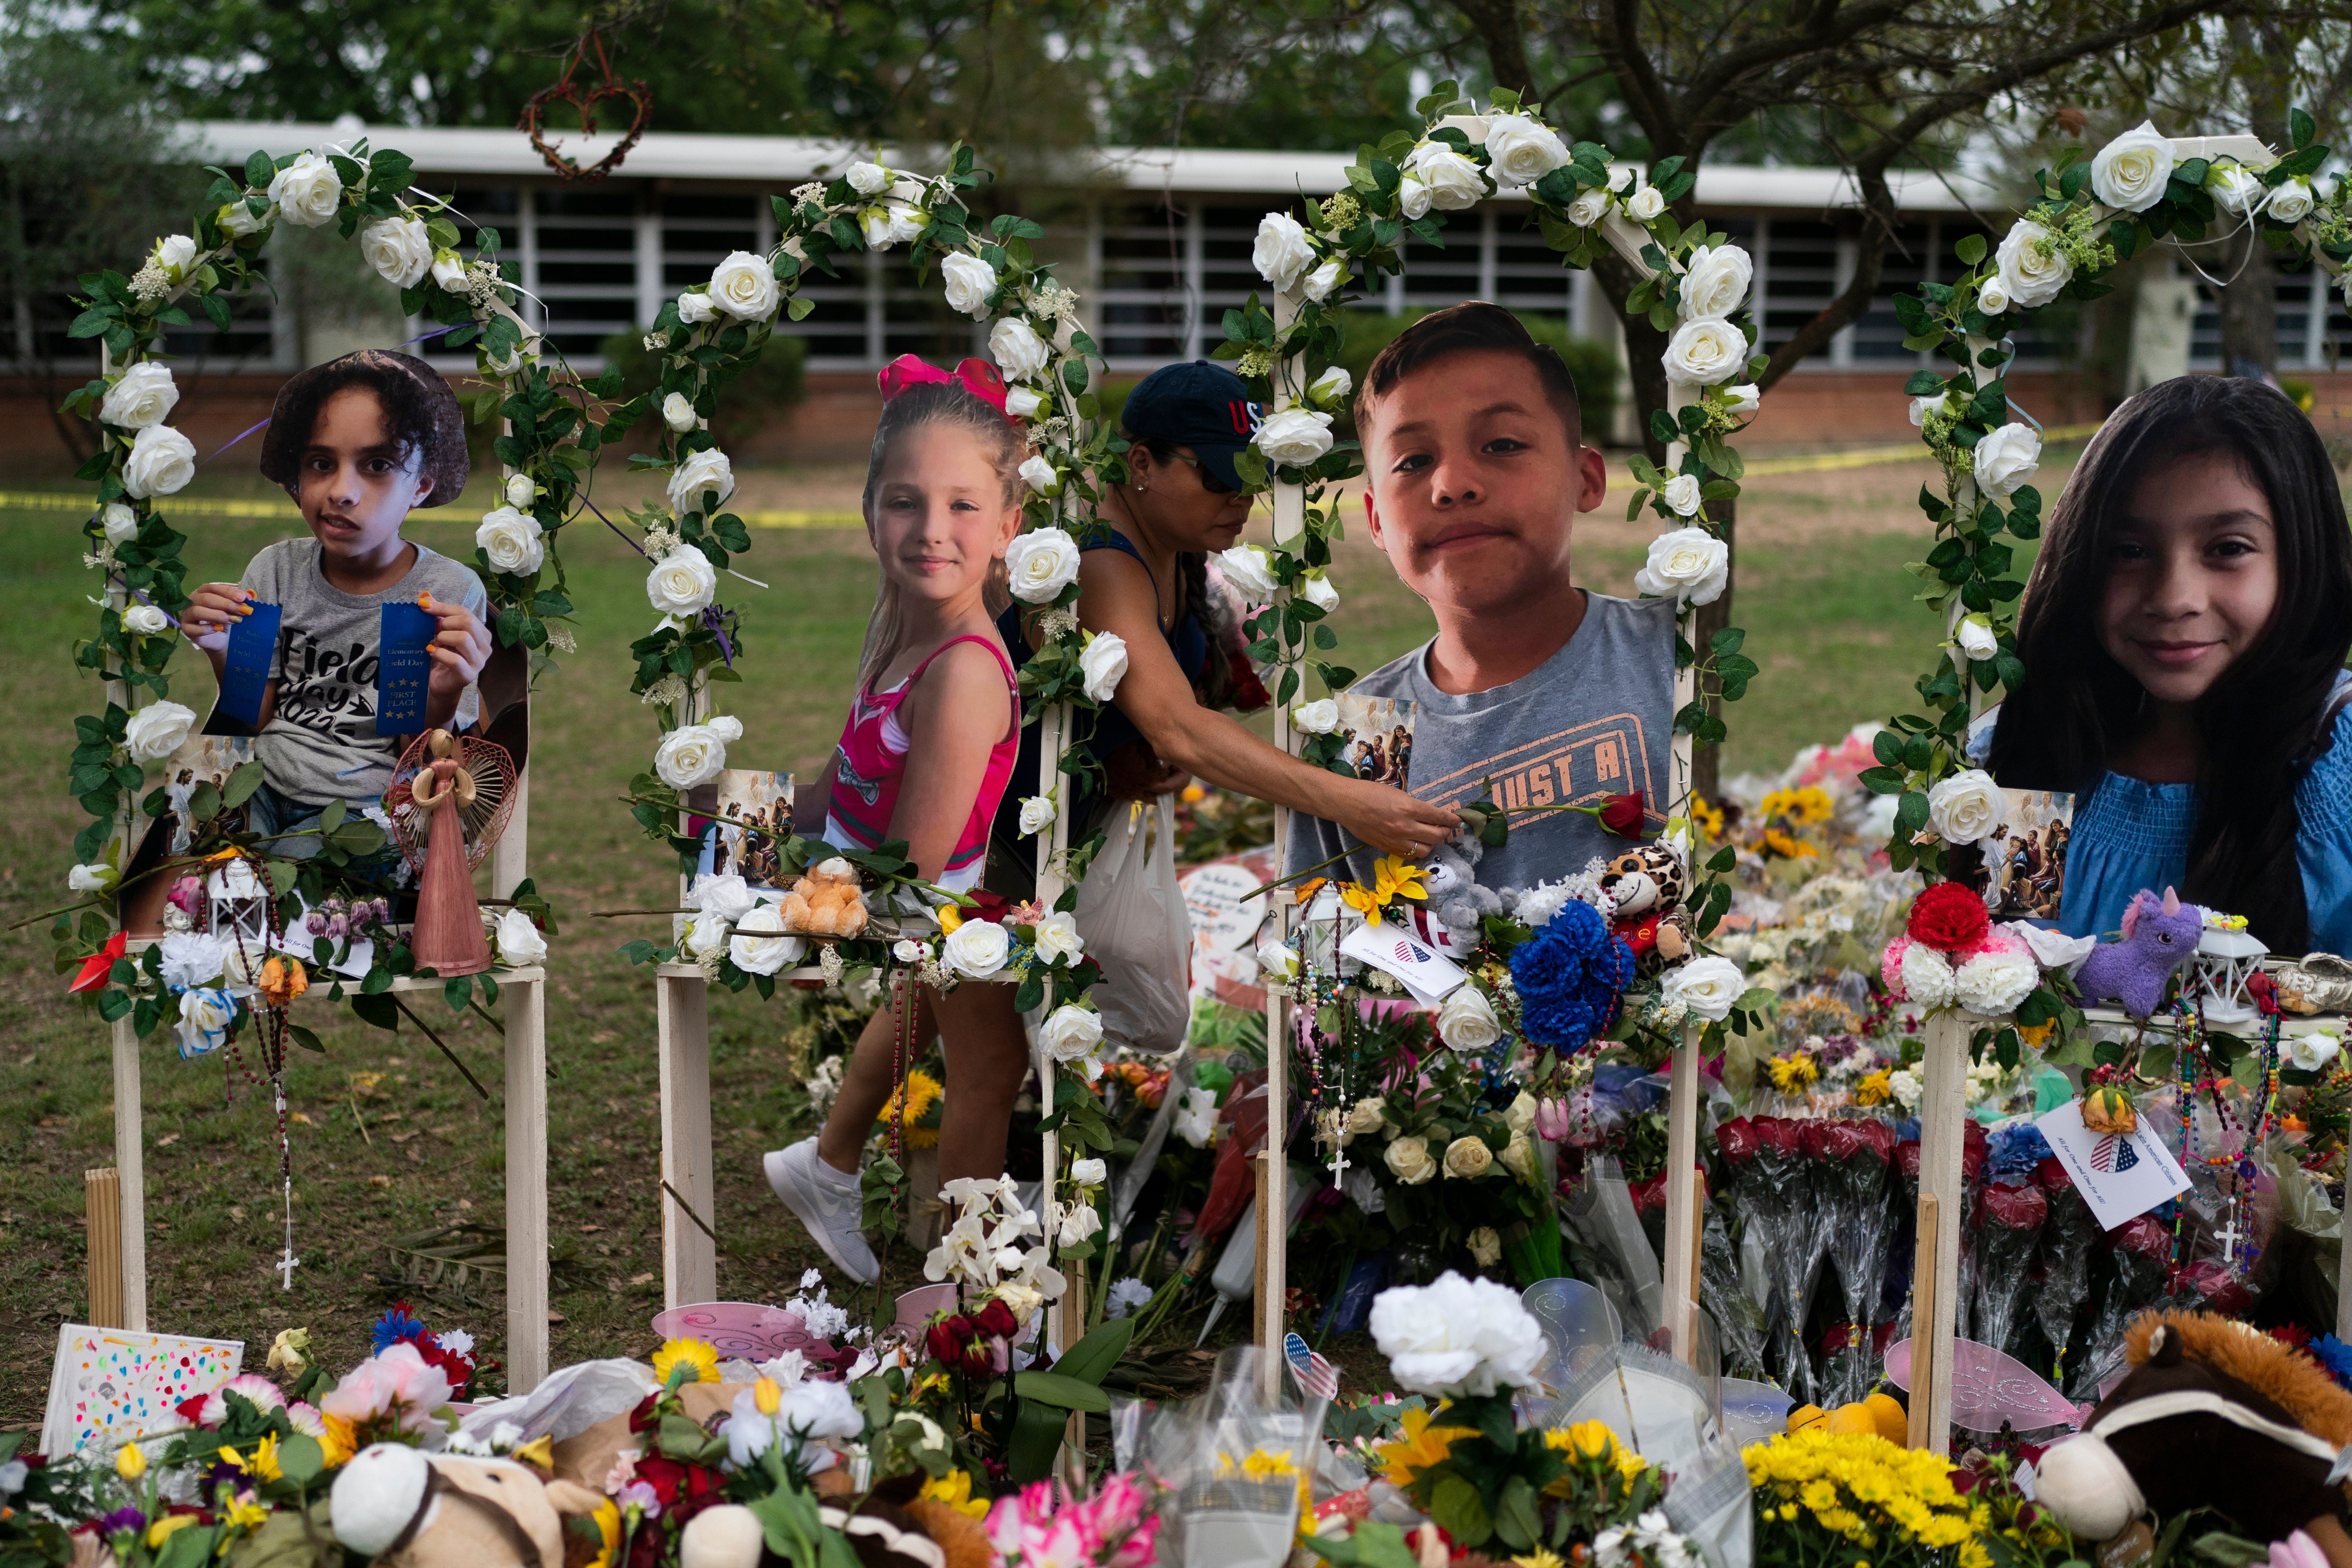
(1870,456)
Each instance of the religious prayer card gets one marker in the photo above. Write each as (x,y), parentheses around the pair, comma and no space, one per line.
(754,818)
(402,667)
(1378,733)
(245,677)
(2025,857)
(2121,1175)
(1429,976)
(109,1386)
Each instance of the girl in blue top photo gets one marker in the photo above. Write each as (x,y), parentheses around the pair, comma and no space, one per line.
(2184,634)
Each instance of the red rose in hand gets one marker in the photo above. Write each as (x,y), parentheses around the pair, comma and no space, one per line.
(1948,917)
(1624,815)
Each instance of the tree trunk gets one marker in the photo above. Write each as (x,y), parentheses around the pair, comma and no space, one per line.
(2250,312)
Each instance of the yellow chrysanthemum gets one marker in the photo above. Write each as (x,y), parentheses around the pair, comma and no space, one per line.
(954,1489)
(1794,1073)
(699,1355)
(1874,1089)
(923,1092)
(1421,1444)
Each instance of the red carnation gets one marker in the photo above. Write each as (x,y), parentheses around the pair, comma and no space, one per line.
(1947,917)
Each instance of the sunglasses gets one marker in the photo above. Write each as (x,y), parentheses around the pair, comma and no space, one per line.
(1209,479)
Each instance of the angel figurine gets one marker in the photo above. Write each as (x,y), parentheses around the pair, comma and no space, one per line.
(459,793)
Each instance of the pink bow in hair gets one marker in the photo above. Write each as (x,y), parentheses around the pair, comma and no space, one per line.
(977,377)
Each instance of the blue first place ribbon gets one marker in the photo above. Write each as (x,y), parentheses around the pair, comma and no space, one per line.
(402,668)
(245,669)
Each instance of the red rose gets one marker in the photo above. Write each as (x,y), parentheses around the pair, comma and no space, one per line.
(987,906)
(2052,1174)
(1736,1139)
(2015,1207)
(1906,1158)
(1650,1195)
(1840,1142)
(1878,1137)
(1976,1148)
(1947,917)
(1623,815)
(945,1339)
(2145,1235)
(996,1320)
(1781,1134)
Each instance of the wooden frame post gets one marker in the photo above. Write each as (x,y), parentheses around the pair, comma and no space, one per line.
(103,1236)
(682,1016)
(1935,1270)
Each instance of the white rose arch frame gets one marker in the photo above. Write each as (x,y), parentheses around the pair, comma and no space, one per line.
(246,930)
(2092,213)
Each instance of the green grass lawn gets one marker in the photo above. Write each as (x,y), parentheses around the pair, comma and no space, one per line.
(1828,616)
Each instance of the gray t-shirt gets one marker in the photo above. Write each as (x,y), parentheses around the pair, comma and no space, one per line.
(1594,720)
(322,744)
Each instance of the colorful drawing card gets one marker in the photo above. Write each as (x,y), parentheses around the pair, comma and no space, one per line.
(245,675)
(109,1386)
(402,668)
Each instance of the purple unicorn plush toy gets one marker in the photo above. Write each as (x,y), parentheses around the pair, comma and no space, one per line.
(2159,935)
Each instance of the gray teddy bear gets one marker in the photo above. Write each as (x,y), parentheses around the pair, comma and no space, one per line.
(1454,895)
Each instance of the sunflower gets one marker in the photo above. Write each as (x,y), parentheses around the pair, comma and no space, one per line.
(697,1356)
(1706,817)
(1788,845)
(923,1092)
(1804,807)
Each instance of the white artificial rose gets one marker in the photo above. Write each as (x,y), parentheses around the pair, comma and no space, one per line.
(1993,296)
(521,491)
(2129,172)
(1519,152)
(1057,939)
(1745,398)
(1457,1337)
(1689,563)
(907,222)
(1705,351)
(694,308)
(1071,1033)
(1467,1021)
(869,179)
(677,412)
(744,286)
(1681,495)
(2005,459)
(1040,564)
(877,225)
(1248,568)
(1319,592)
(1922,406)
(1588,208)
(176,253)
(1319,283)
(1409,1160)
(682,582)
(141,398)
(510,539)
(694,755)
(1294,437)
(1645,204)
(727,894)
(449,272)
(1089,1173)
(93,878)
(707,933)
(1037,814)
(120,522)
(1103,663)
(1452,180)
(2237,188)
(1472,126)
(1714,281)
(1040,475)
(1079,1221)
(308,190)
(1485,1244)
(237,221)
(2290,201)
(977,949)
(969,281)
(1320,717)
(708,469)
(1995,981)
(204,1018)
(1276,961)
(1413,197)
(2312,1052)
(1017,349)
(1977,639)
(2032,268)
(1331,388)
(157,731)
(1708,987)
(1965,806)
(1927,977)
(906,949)
(1023,404)
(1282,254)
(399,249)
(147,620)
(521,941)
(761,945)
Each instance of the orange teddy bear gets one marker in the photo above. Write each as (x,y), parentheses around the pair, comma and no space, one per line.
(827,901)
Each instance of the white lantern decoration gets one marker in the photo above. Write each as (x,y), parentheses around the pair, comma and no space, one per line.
(236,906)
(2227,955)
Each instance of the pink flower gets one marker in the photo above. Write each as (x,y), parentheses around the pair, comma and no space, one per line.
(1890,966)
(397,1383)
(306,1419)
(623,1471)
(1552,1119)
(641,1494)
(258,1389)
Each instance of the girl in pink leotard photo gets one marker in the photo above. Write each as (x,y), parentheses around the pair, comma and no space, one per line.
(925,757)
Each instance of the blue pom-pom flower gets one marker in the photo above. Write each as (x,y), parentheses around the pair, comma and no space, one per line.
(1571,977)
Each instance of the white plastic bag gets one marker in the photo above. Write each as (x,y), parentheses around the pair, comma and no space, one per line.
(1131,913)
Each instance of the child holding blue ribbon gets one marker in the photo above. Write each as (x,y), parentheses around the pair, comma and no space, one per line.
(357,442)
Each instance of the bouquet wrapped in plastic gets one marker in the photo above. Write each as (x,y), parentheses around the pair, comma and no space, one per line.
(2063,1282)
(1767,1155)
(1852,1173)
(1740,1320)
(2011,1215)
(2141,1252)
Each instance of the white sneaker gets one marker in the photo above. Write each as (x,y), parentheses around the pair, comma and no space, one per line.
(831,1212)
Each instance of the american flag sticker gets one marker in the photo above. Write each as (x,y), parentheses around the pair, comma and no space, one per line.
(1317,1377)
(1408,953)
(2113,1152)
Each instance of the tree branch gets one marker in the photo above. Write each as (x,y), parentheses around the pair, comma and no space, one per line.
(1497,22)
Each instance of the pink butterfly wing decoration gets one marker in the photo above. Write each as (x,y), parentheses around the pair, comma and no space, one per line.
(1990,1388)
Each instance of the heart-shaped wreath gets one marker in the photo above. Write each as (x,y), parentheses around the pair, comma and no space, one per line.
(635,94)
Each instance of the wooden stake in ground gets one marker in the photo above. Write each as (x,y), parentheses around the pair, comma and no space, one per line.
(102,1214)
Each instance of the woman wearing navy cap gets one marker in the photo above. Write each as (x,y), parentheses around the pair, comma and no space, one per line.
(1143,576)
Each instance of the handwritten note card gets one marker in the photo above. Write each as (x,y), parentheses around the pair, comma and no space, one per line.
(109,1386)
